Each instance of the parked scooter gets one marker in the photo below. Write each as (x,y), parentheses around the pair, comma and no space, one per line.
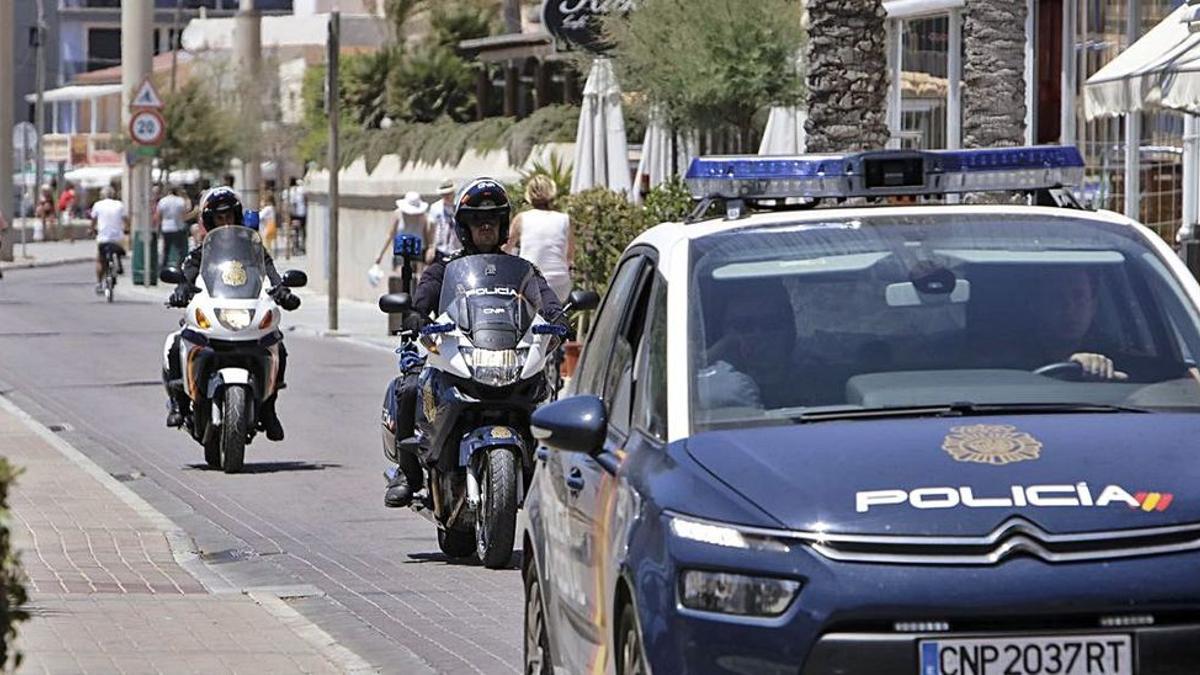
(229,344)
(485,363)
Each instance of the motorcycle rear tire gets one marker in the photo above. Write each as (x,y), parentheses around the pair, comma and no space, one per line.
(212,453)
(456,543)
(496,526)
(233,428)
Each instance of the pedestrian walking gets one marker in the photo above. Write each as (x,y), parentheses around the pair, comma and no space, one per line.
(297,202)
(268,221)
(543,236)
(408,218)
(170,216)
(441,224)
(45,212)
(66,207)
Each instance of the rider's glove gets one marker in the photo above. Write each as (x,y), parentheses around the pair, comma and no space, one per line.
(410,359)
(284,298)
(180,297)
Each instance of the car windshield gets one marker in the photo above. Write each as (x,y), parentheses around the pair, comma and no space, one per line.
(892,312)
(232,263)
(493,293)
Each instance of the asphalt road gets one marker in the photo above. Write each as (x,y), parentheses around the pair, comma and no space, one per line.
(307,515)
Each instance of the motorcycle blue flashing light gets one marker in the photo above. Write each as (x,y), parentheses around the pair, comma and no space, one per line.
(885,173)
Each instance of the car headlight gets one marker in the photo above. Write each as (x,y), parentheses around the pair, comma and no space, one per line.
(728,593)
(494,367)
(235,319)
(719,534)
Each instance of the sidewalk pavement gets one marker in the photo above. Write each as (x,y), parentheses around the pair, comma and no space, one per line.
(114,586)
(45,253)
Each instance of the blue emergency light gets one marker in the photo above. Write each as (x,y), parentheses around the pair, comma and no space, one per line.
(885,173)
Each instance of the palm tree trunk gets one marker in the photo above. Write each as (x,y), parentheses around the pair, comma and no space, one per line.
(994,73)
(847,79)
(512,16)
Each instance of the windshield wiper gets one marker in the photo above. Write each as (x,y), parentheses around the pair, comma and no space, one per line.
(958,409)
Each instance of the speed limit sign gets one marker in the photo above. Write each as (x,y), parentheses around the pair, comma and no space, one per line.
(147,127)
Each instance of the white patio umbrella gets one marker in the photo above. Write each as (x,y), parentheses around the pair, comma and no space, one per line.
(601,150)
(785,133)
(662,145)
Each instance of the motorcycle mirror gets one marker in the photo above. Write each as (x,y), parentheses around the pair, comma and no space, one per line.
(295,279)
(575,424)
(582,301)
(395,303)
(170,275)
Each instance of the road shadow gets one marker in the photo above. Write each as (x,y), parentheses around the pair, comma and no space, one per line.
(439,557)
(270,467)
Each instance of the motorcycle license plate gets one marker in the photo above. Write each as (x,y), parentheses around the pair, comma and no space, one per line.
(1055,655)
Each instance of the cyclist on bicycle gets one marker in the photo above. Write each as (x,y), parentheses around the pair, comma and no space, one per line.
(110,223)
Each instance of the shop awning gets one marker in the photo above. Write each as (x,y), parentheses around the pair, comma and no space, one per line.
(76,92)
(1161,70)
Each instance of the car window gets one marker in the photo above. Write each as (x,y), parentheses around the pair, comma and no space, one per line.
(918,310)
(604,329)
(618,383)
(650,392)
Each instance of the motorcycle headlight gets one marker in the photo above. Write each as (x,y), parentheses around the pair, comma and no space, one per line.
(235,319)
(494,367)
(740,594)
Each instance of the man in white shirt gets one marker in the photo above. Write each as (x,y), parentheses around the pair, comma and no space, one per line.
(169,215)
(298,205)
(109,222)
(441,221)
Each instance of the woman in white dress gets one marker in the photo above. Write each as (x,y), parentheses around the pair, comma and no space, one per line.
(543,236)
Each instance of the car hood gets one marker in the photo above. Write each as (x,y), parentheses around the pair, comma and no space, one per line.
(965,475)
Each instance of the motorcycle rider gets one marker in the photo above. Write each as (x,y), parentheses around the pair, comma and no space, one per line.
(220,207)
(482,214)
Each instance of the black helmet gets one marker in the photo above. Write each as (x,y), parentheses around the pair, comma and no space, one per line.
(481,200)
(219,200)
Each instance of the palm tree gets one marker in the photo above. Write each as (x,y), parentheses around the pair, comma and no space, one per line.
(994,73)
(847,81)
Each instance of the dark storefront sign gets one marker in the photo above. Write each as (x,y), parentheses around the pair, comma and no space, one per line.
(576,23)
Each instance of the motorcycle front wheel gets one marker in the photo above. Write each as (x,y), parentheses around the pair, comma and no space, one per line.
(496,526)
(233,428)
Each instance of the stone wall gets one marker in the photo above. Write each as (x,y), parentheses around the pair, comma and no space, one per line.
(367,200)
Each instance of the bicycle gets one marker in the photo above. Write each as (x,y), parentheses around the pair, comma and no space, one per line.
(112,265)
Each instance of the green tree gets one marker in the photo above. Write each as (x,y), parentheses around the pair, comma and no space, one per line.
(452,22)
(363,84)
(712,64)
(199,134)
(431,83)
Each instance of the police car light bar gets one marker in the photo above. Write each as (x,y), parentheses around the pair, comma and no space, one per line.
(885,173)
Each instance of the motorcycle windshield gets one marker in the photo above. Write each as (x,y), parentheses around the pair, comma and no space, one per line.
(493,298)
(232,264)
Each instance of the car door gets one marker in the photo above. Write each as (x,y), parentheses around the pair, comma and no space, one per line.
(591,487)
(564,571)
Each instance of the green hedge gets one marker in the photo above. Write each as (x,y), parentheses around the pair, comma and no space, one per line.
(12,591)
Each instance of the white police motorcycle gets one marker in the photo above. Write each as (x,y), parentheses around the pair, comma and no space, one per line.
(229,343)
(485,361)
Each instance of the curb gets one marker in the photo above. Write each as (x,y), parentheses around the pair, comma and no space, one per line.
(33,264)
(186,556)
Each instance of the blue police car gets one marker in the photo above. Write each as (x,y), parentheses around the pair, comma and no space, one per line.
(897,435)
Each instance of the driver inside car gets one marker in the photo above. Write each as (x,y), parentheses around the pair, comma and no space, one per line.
(482,214)
(1066,312)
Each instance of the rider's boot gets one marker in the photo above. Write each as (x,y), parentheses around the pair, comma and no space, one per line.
(407,480)
(269,422)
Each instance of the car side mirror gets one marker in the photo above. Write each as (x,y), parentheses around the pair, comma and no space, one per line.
(295,279)
(170,275)
(582,301)
(395,303)
(575,424)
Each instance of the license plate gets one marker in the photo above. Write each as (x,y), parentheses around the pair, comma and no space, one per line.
(1061,655)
